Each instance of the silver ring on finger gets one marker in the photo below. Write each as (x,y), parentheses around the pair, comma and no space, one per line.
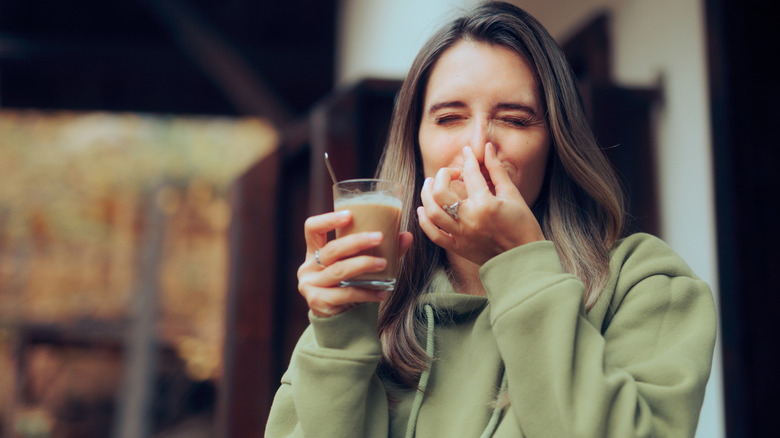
(317,258)
(452,210)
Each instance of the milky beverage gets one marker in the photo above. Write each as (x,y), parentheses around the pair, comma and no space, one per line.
(374,211)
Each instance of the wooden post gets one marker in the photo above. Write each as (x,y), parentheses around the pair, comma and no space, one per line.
(248,379)
(140,352)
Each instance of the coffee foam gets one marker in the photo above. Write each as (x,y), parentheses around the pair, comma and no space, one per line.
(368,198)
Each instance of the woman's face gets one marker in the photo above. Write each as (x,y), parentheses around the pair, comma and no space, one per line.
(479,93)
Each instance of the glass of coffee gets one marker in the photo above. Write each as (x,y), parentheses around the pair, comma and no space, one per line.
(376,206)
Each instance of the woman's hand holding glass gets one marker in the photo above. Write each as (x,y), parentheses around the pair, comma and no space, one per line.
(487,224)
(318,282)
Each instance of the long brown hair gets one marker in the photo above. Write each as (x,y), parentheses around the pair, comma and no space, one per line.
(580,208)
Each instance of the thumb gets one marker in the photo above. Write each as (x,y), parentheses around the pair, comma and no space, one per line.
(498,174)
(405,240)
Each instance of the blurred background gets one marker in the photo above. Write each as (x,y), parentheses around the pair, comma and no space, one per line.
(158,159)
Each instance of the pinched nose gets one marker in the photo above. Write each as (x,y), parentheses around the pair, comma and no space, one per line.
(479,153)
(480,136)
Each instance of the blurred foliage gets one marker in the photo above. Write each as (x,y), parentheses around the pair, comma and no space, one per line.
(75,193)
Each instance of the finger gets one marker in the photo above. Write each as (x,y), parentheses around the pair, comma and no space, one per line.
(498,174)
(316,228)
(405,241)
(325,302)
(426,194)
(345,269)
(436,234)
(433,209)
(443,190)
(442,184)
(459,188)
(472,175)
(347,246)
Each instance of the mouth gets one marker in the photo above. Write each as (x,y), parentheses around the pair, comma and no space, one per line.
(489,181)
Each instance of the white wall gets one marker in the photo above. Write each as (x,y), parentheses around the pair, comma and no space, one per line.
(651,40)
(666,39)
(380,38)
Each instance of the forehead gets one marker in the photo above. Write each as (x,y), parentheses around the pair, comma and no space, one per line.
(470,67)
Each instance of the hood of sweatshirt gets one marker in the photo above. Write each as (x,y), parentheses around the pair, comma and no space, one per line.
(449,306)
(443,306)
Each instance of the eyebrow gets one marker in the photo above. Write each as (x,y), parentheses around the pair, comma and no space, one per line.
(513,106)
(442,105)
(517,107)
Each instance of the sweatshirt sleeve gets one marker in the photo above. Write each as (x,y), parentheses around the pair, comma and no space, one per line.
(642,373)
(331,388)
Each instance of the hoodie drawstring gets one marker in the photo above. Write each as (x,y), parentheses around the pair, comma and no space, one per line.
(490,429)
(418,398)
(411,426)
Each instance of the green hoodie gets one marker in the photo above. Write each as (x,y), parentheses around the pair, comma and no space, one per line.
(635,365)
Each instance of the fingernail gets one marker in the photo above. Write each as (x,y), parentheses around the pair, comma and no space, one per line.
(344,213)
(376,236)
(419,210)
(467,150)
(380,263)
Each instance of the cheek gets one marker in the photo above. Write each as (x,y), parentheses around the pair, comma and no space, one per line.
(530,168)
(438,151)
(534,174)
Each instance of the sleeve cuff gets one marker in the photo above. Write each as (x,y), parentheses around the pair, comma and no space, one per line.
(532,257)
(354,329)
(515,275)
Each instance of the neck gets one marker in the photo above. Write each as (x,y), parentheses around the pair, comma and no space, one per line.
(465,275)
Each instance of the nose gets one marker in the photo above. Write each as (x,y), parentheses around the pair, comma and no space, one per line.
(480,135)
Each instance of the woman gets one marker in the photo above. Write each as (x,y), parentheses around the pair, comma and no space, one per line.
(519,311)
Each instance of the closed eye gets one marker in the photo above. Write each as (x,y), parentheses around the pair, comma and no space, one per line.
(448,119)
(517,122)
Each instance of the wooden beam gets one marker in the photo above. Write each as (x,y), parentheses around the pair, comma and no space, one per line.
(219,60)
